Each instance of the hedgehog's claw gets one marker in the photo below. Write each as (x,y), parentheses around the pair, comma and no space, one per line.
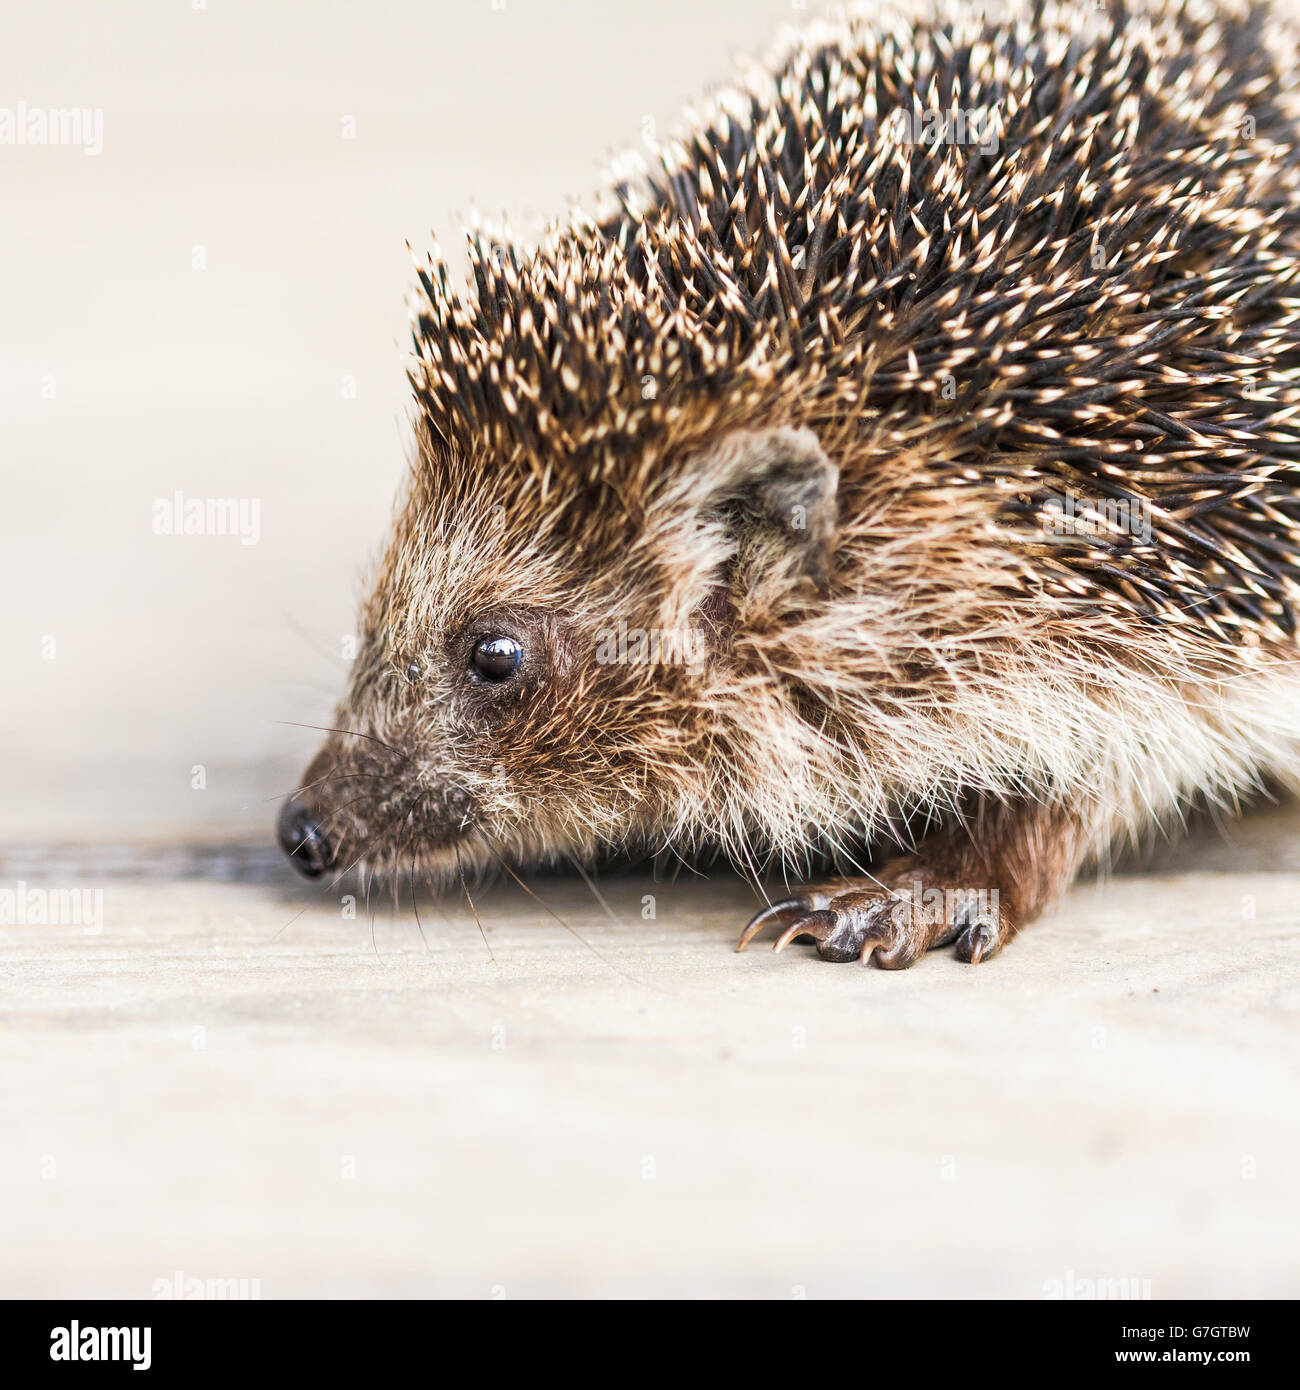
(808,902)
(977,942)
(783,913)
(819,925)
(858,920)
(838,934)
(874,934)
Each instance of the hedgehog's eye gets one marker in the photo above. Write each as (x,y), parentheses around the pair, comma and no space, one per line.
(497,658)
(413,672)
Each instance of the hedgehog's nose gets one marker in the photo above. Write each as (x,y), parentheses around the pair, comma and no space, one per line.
(302,839)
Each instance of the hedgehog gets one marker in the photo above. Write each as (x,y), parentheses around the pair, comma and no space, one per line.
(892,482)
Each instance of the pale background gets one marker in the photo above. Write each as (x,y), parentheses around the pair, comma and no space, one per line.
(224,130)
(219,1086)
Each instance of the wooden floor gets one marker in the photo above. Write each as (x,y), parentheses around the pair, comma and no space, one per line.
(232,1081)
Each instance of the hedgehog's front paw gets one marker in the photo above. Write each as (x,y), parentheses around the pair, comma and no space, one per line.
(891,921)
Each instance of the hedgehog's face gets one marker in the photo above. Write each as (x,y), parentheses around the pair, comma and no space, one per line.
(446,735)
(536,686)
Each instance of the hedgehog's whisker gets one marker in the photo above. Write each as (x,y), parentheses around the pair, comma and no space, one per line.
(410,871)
(288,924)
(543,903)
(595,892)
(370,881)
(460,868)
(337,811)
(349,733)
(415,906)
(306,787)
(365,849)
(307,638)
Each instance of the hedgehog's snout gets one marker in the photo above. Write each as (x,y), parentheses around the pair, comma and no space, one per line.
(370,804)
(301,837)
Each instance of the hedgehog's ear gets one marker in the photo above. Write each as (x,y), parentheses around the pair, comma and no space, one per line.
(776,490)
